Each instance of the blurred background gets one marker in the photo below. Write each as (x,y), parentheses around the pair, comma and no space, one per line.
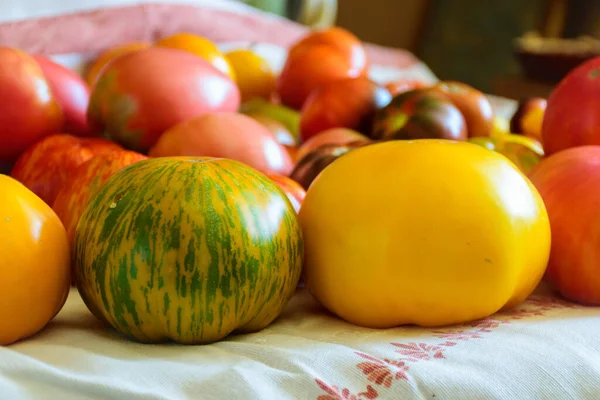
(512,48)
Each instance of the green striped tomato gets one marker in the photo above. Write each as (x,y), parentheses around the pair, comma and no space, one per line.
(188,249)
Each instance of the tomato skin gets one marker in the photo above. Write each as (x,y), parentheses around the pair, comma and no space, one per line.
(34,262)
(419,114)
(292,189)
(569,183)
(71,93)
(387,224)
(142,94)
(48,164)
(473,105)
(338,136)
(346,103)
(226,135)
(29,111)
(571,118)
(96,67)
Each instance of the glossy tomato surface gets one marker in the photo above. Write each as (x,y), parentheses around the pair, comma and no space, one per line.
(142,94)
(392,224)
(29,110)
(226,135)
(71,93)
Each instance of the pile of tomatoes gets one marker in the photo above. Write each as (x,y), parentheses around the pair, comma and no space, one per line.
(418,204)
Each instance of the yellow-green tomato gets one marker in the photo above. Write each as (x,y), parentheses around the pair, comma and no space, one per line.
(427,232)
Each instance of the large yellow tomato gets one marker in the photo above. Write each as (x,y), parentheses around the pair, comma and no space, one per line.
(423,232)
(34,262)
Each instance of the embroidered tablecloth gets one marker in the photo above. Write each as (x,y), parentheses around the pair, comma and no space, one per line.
(546,348)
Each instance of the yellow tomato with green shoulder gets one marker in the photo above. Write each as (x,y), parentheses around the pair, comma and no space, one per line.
(426,232)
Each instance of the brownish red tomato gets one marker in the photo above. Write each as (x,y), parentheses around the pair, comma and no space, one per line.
(142,94)
(337,136)
(72,94)
(76,192)
(29,110)
(473,104)
(292,189)
(48,164)
(226,135)
(346,103)
(572,118)
(420,114)
(310,166)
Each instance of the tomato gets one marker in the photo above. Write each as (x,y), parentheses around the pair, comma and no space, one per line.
(346,103)
(313,163)
(473,104)
(426,232)
(254,75)
(528,118)
(28,111)
(569,183)
(95,68)
(419,114)
(279,130)
(200,47)
(571,118)
(142,94)
(34,262)
(338,136)
(308,69)
(225,135)
(71,93)
(523,151)
(292,189)
(339,40)
(48,164)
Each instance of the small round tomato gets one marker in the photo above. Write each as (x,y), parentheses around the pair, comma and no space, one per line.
(345,103)
(426,232)
(200,47)
(254,75)
(95,68)
(420,114)
(473,104)
(523,151)
(34,262)
(226,135)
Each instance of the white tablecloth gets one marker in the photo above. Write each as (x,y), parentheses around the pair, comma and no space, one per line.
(545,349)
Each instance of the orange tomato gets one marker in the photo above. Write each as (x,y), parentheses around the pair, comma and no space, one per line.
(96,67)
(34,262)
(201,47)
(254,75)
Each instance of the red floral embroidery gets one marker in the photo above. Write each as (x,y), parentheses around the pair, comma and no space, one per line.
(419,351)
(334,393)
(382,372)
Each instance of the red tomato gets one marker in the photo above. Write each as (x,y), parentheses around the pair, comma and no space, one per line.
(291,188)
(335,136)
(71,93)
(569,183)
(309,68)
(28,111)
(142,94)
(48,164)
(75,194)
(571,117)
(340,40)
(347,103)
(226,135)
